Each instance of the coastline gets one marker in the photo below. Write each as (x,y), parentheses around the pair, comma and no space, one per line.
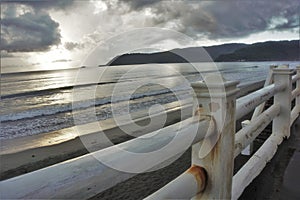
(25,154)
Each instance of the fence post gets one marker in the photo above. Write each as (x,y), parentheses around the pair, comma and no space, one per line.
(297,101)
(249,149)
(281,123)
(216,97)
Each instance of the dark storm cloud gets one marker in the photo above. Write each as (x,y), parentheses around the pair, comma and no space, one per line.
(29,32)
(73,45)
(140,4)
(223,19)
(44,4)
(241,18)
(33,30)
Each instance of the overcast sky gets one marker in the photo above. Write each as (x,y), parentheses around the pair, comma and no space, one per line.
(56,33)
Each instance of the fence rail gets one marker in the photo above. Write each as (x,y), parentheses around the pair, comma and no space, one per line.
(210,132)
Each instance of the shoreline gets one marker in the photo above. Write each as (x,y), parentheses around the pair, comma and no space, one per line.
(29,153)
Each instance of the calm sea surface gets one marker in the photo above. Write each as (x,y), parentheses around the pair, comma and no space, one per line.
(38,102)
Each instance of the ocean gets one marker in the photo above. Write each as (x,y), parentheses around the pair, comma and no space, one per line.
(40,101)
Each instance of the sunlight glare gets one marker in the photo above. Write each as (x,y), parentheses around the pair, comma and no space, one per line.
(56,58)
(100,6)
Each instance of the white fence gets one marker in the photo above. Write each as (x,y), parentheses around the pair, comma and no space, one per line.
(214,147)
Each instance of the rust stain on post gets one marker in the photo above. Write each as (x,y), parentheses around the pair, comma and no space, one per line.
(200,175)
(201,115)
(199,110)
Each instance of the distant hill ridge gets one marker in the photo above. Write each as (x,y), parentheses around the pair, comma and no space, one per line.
(264,51)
